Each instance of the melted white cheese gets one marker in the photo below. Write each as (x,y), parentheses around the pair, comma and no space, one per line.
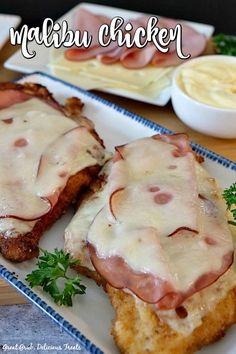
(76,232)
(139,232)
(199,305)
(40,149)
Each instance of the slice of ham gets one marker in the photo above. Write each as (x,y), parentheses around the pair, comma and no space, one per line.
(193,43)
(12,93)
(136,58)
(80,54)
(118,153)
(179,140)
(112,56)
(114,200)
(19,205)
(87,21)
(147,287)
(10,97)
(120,53)
(139,242)
(150,288)
(40,149)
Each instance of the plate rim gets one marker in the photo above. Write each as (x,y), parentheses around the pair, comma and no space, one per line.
(24,289)
(138,118)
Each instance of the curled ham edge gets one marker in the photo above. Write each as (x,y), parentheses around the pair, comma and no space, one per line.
(8,97)
(146,286)
(194,43)
(11,96)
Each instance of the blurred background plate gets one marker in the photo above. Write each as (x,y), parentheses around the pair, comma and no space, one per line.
(42,59)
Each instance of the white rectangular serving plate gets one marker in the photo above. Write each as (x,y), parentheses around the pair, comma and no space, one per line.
(41,61)
(6,22)
(89,320)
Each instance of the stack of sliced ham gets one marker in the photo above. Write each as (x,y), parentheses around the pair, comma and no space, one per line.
(193,43)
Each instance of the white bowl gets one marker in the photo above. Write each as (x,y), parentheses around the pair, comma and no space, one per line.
(206,119)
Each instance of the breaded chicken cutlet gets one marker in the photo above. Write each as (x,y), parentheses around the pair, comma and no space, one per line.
(153,232)
(49,154)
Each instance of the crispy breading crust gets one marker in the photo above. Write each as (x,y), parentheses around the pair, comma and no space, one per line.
(92,274)
(23,247)
(36,90)
(137,329)
(73,105)
(20,247)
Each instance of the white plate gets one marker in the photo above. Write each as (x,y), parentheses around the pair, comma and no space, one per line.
(6,22)
(92,313)
(40,62)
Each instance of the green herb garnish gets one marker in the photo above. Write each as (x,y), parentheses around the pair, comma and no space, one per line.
(225,44)
(230,198)
(51,268)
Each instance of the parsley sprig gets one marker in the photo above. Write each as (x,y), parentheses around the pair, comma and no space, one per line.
(225,44)
(230,198)
(52,268)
